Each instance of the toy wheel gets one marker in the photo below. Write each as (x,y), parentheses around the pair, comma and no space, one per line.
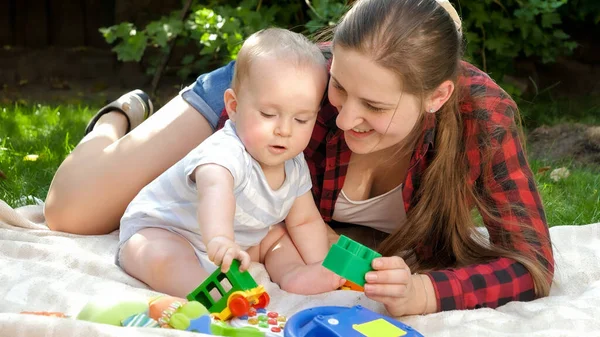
(263,301)
(238,306)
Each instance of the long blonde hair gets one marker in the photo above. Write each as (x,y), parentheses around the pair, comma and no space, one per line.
(419,41)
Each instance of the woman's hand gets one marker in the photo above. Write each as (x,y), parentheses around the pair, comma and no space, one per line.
(222,251)
(392,284)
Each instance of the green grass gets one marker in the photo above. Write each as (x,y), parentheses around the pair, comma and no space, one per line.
(574,200)
(52,132)
(26,131)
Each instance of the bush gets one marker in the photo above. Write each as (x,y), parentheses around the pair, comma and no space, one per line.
(496,32)
(499,32)
(217,29)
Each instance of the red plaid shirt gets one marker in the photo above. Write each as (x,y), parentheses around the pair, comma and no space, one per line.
(482,103)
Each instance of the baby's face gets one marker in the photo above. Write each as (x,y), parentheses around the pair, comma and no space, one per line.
(277,106)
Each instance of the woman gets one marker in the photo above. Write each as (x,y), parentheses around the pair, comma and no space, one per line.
(410,140)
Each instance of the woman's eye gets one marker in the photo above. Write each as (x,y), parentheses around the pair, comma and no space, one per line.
(266,115)
(372,108)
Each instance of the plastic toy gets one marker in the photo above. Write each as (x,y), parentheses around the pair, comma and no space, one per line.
(162,311)
(175,312)
(269,322)
(347,322)
(111,310)
(220,328)
(350,260)
(205,325)
(237,300)
(351,286)
(141,320)
(201,324)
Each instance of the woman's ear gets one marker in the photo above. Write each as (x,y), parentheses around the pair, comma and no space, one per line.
(439,96)
(230,100)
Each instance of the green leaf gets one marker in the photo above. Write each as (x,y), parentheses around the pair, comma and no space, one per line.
(560,34)
(108,34)
(132,48)
(125,29)
(550,19)
(187,59)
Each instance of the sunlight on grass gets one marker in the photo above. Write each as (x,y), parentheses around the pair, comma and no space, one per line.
(574,200)
(34,139)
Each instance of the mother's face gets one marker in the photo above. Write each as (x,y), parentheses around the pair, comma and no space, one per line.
(374,113)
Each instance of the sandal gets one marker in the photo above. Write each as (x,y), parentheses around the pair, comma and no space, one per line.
(136,105)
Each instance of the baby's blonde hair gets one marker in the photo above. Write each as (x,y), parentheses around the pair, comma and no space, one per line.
(279,43)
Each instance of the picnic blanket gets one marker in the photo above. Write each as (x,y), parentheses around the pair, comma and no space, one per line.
(42,270)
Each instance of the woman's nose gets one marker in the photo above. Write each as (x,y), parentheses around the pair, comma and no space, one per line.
(348,117)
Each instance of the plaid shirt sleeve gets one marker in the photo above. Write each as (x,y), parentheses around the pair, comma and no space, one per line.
(507,183)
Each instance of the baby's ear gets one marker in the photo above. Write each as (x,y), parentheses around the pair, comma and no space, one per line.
(230,103)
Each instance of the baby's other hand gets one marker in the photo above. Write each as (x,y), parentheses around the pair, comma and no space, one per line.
(222,251)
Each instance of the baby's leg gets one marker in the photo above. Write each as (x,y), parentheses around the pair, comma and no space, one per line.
(286,267)
(163,260)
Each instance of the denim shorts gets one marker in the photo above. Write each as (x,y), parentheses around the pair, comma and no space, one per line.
(206,94)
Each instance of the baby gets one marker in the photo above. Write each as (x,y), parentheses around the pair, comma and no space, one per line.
(223,197)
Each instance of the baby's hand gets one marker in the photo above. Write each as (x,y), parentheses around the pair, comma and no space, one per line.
(222,250)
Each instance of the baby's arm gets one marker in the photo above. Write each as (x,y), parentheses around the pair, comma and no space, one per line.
(216,210)
(307,229)
(295,262)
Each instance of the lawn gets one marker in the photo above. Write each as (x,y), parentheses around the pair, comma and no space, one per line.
(34,139)
(33,142)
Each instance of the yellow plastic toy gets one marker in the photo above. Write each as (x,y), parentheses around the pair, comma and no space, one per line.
(240,302)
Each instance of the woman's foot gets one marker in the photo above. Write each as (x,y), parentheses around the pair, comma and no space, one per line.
(310,280)
(135,105)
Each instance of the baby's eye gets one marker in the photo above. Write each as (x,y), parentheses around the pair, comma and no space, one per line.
(266,115)
(301,121)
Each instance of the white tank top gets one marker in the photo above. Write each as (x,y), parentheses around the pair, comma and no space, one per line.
(384,212)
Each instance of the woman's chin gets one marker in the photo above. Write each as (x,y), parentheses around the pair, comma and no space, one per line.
(360,147)
(369,146)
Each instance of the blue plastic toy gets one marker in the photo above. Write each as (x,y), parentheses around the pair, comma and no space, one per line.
(345,322)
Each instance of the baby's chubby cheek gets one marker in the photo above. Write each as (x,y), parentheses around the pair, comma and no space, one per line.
(250,140)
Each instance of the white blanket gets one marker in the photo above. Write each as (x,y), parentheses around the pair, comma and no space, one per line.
(41,270)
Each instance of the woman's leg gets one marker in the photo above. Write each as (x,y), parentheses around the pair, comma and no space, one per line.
(96,182)
(163,260)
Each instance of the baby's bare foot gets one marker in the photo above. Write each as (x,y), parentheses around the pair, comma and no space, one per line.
(311,279)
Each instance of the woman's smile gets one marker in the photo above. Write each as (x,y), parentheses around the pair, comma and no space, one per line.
(359,133)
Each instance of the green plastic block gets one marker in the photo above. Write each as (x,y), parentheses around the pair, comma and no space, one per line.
(237,280)
(350,260)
